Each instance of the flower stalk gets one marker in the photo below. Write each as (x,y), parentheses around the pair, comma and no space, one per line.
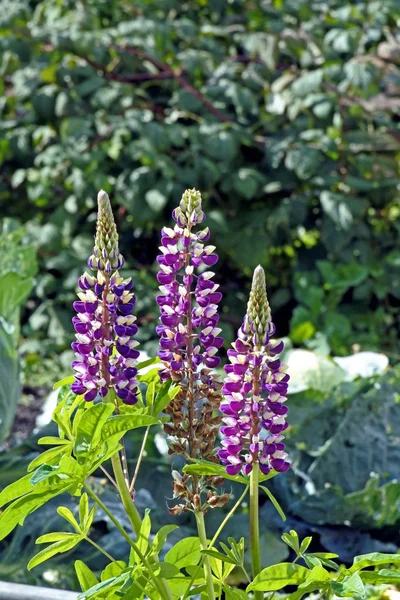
(254,527)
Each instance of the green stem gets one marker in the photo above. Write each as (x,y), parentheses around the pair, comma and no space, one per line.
(126,498)
(254,527)
(132,511)
(163,590)
(201,528)
(100,549)
(216,536)
(228,516)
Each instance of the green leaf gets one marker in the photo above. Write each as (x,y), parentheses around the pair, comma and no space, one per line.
(380,577)
(277,577)
(150,393)
(144,533)
(185,553)
(221,557)
(86,577)
(275,502)
(89,431)
(9,373)
(148,363)
(53,441)
(50,456)
(15,490)
(166,570)
(371,560)
(65,381)
(161,537)
(208,468)
(68,515)
(113,570)
(83,508)
(292,540)
(103,586)
(55,536)
(305,544)
(120,424)
(350,586)
(163,399)
(19,509)
(57,548)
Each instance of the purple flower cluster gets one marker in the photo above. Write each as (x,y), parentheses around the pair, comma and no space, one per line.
(189,299)
(106,354)
(254,393)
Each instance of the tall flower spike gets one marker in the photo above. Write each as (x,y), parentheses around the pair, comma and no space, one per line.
(254,392)
(189,333)
(106,354)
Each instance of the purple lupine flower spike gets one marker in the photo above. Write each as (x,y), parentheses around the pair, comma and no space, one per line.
(189,340)
(186,284)
(255,392)
(106,354)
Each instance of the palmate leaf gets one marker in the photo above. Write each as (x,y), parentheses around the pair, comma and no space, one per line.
(21,508)
(278,576)
(62,545)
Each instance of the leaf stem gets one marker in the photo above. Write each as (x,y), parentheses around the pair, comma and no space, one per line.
(254,527)
(139,460)
(201,528)
(100,549)
(163,590)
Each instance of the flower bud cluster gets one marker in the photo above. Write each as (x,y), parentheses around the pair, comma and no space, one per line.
(106,354)
(255,392)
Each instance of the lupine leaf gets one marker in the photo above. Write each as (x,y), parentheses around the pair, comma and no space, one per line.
(68,515)
(65,381)
(185,553)
(351,585)
(123,423)
(49,456)
(374,558)
(90,428)
(277,577)
(207,468)
(53,441)
(24,506)
(108,584)
(55,536)
(275,502)
(161,537)
(56,548)
(16,489)
(163,399)
(86,577)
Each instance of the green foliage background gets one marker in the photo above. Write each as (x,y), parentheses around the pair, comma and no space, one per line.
(285,114)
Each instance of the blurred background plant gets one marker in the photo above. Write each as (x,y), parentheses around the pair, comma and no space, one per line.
(285,114)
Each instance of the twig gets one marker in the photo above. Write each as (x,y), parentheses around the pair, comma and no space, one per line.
(107,474)
(139,460)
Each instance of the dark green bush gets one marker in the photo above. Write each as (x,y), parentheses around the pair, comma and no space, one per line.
(284,113)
